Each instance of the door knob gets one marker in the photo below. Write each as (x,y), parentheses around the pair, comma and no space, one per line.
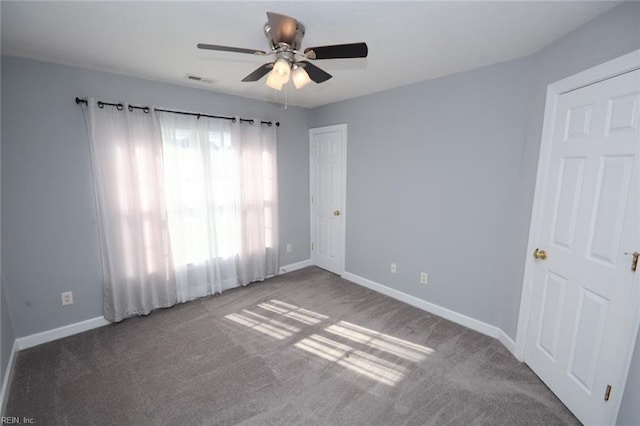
(336,213)
(634,261)
(540,254)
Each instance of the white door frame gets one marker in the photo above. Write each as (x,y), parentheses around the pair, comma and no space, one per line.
(341,243)
(612,68)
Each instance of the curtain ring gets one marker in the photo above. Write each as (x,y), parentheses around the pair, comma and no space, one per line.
(269,124)
(146,110)
(119,107)
(100,104)
(130,108)
(198,117)
(252,121)
(233,120)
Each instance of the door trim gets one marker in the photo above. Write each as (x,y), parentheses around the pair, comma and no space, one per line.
(343,189)
(610,69)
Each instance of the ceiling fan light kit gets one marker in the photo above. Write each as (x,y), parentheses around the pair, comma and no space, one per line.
(282,70)
(273,81)
(284,35)
(300,77)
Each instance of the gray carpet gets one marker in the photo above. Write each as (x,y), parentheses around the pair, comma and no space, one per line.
(303,348)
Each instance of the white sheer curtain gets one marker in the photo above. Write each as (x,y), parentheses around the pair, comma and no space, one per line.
(221,198)
(126,155)
(259,215)
(187,206)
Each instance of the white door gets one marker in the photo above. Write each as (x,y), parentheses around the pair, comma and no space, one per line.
(328,147)
(578,330)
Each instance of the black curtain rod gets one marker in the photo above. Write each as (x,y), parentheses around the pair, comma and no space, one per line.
(120,107)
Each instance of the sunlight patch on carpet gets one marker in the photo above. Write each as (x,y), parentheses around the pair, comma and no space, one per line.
(369,353)
(384,342)
(361,362)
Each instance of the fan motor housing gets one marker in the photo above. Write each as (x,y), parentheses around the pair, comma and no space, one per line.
(283,46)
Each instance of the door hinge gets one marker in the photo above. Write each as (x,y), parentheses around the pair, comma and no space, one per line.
(634,261)
(312,199)
(312,246)
(607,393)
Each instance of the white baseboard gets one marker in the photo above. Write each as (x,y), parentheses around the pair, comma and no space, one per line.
(295,266)
(60,332)
(68,330)
(508,343)
(8,375)
(39,338)
(472,323)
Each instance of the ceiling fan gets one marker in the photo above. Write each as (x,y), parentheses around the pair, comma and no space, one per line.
(284,35)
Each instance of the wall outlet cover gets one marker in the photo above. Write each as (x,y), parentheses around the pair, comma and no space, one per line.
(67,298)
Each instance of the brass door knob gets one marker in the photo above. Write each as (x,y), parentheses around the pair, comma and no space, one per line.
(336,213)
(540,254)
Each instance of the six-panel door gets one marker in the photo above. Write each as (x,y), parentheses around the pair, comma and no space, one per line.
(590,219)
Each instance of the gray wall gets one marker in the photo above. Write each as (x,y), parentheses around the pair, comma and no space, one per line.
(430,171)
(6,336)
(608,36)
(49,232)
(441,176)
(629,414)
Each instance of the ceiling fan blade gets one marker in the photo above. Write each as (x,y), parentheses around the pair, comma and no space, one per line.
(338,51)
(316,74)
(283,28)
(230,49)
(259,73)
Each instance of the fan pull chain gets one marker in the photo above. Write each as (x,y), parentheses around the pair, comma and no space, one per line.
(286,96)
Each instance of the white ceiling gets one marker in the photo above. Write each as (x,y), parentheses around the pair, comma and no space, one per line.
(408,41)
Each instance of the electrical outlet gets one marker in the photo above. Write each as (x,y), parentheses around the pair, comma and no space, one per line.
(394,268)
(423,277)
(289,248)
(67,298)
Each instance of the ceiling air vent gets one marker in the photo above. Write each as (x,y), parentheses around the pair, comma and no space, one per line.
(198,79)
